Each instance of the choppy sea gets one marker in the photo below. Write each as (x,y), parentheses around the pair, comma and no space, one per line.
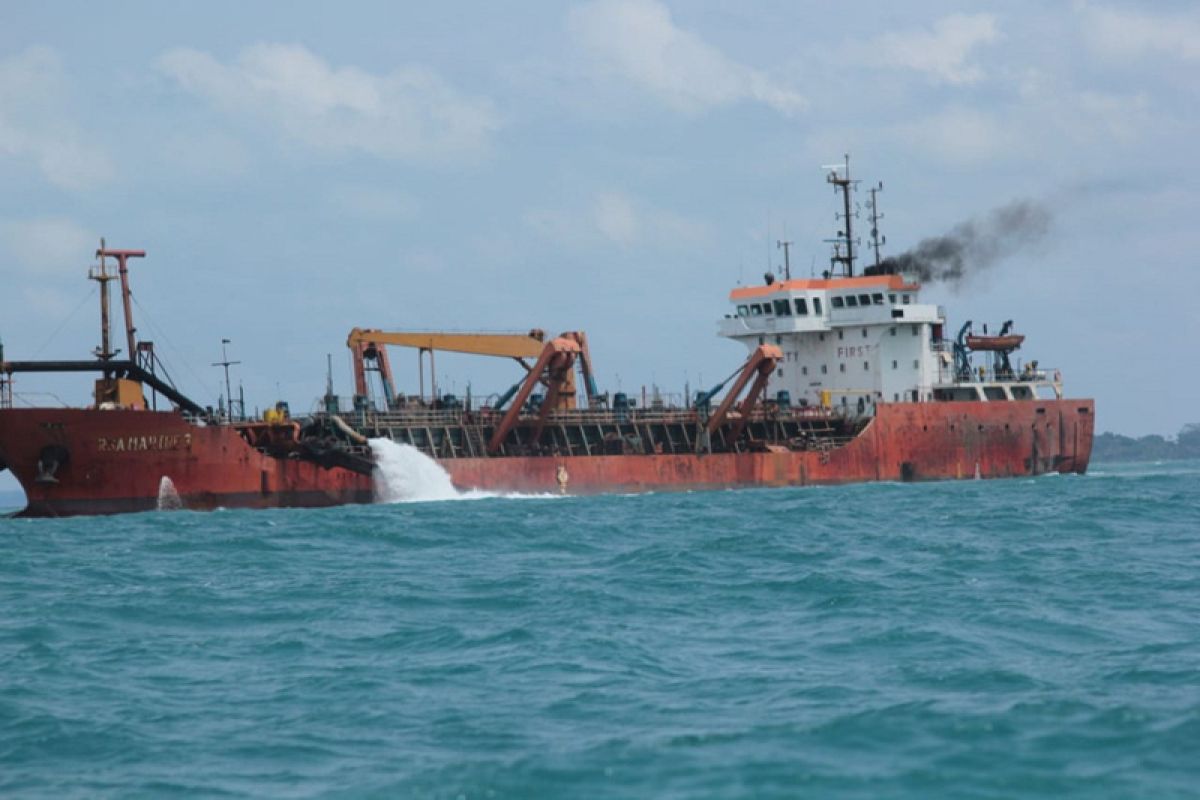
(987,639)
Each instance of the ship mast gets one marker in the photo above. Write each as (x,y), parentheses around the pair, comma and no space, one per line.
(226,363)
(100,275)
(842,183)
(876,240)
(787,262)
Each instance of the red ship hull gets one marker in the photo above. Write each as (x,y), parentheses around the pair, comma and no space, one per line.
(905,442)
(117,459)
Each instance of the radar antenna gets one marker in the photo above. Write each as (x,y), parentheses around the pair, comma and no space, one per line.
(839,176)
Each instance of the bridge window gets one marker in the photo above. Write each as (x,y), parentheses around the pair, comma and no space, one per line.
(756,310)
(851,301)
(801,306)
(864,299)
(906,299)
(766,307)
(816,305)
(837,301)
(877,299)
(892,299)
(743,311)
(783,308)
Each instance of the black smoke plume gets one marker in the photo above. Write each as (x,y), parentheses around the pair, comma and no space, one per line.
(973,245)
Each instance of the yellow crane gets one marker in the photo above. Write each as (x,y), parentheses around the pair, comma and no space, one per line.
(367,344)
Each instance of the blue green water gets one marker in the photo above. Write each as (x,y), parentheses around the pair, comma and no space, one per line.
(1023,638)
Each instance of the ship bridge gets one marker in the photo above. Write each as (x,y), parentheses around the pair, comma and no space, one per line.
(854,341)
(859,341)
(850,342)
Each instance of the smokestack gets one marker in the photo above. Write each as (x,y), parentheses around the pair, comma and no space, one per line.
(973,245)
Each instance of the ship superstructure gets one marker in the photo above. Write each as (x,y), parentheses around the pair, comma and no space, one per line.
(855,340)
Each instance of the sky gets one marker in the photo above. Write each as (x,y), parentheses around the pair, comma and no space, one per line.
(297,169)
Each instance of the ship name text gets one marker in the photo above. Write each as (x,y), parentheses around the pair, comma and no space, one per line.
(137,444)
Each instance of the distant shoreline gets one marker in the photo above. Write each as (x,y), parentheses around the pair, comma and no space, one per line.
(1115,447)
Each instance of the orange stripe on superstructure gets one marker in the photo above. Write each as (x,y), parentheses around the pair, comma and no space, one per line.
(864,282)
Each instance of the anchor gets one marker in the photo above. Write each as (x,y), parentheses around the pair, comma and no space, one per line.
(50,459)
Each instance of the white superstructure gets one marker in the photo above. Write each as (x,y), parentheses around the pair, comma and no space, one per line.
(855,342)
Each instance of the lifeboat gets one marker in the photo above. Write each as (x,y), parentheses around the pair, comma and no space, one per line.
(1004,343)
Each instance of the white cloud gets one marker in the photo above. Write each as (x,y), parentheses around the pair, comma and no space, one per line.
(1129,34)
(957,135)
(638,41)
(615,218)
(409,113)
(369,202)
(36,126)
(943,53)
(47,245)
(205,156)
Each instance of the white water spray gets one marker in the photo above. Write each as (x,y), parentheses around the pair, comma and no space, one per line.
(168,496)
(403,474)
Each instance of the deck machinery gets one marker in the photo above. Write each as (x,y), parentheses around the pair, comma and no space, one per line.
(540,415)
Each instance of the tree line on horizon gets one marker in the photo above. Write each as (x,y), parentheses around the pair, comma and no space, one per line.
(1115,447)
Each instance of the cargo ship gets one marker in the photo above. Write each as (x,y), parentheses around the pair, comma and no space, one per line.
(848,377)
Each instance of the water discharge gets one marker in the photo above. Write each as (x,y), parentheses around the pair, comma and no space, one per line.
(168,496)
(403,474)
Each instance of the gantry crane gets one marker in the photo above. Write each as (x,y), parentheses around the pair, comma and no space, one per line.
(368,345)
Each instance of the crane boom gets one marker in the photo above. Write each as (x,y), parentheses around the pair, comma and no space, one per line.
(513,345)
(759,366)
(554,367)
(367,344)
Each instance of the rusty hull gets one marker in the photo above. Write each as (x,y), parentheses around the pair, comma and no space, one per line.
(117,459)
(905,442)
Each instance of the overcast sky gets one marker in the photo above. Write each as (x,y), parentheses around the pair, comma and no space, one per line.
(298,169)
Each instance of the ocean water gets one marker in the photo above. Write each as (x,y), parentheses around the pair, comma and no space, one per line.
(1020,638)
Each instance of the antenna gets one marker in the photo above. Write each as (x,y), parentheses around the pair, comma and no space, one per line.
(767,241)
(102,276)
(842,183)
(876,239)
(787,264)
(226,363)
